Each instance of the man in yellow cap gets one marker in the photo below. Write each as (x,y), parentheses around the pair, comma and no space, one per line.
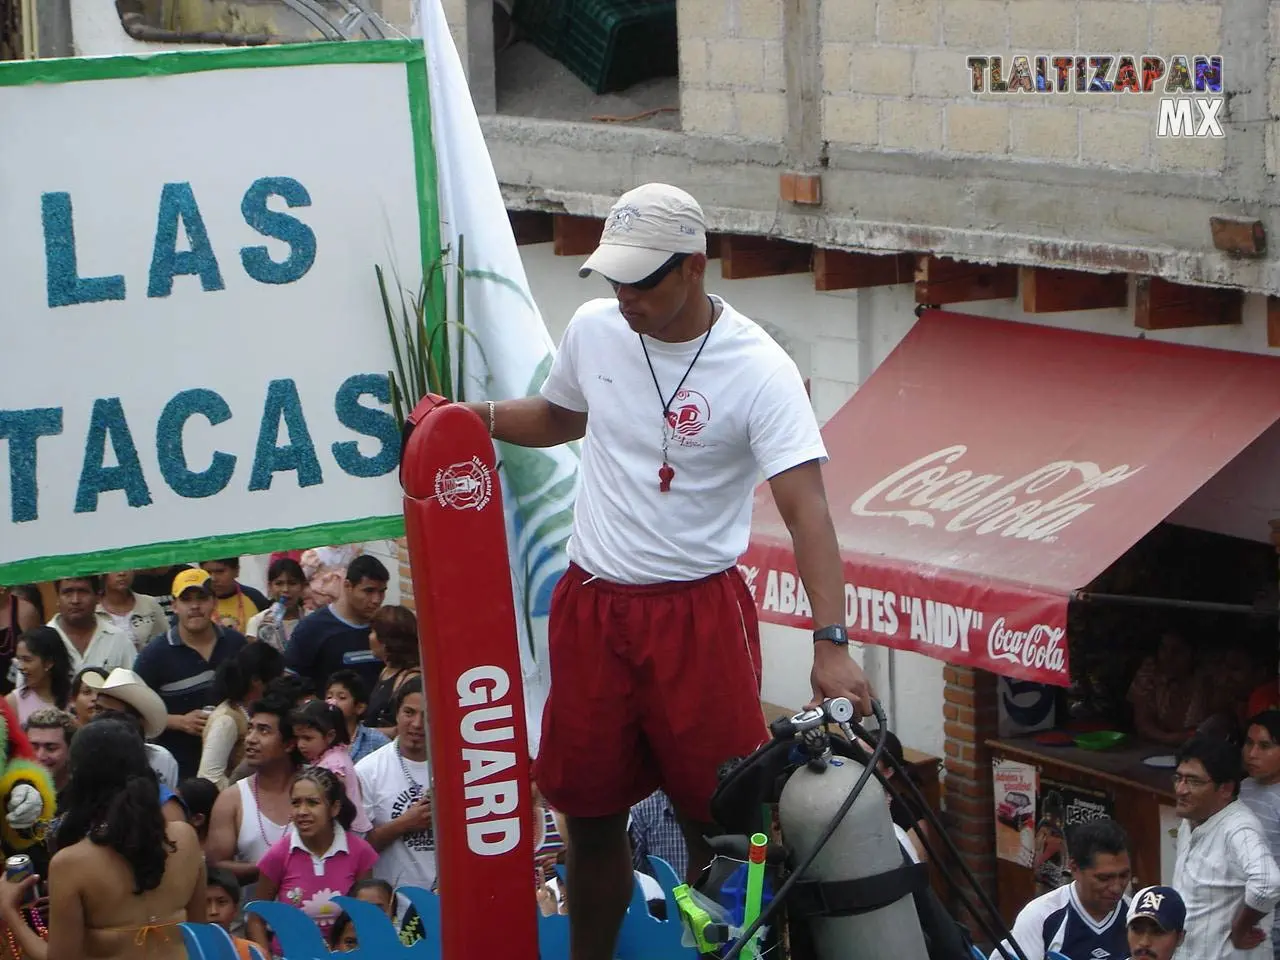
(180,666)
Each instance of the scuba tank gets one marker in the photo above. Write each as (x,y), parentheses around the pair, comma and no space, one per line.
(864,847)
(839,884)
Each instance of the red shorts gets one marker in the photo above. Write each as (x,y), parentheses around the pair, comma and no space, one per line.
(651,686)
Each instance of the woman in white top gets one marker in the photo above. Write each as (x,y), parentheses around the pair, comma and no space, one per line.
(138,615)
(285,584)
(238,683)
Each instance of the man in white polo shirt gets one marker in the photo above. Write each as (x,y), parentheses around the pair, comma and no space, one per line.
(91,638)
(685,405)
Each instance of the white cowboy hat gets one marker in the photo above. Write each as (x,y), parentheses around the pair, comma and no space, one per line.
(127,687)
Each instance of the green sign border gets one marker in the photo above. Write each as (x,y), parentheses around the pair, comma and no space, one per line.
(413,55)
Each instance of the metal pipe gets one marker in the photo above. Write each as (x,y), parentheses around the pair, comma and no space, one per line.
(1208,606)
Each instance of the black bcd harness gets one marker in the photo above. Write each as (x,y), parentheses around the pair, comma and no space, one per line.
(743,804)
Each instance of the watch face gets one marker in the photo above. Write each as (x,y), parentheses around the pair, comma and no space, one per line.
(835,634)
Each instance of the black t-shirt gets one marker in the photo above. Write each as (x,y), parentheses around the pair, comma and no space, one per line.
(381,709)
(159,585)
(322,644)
(41,853)
(904,812)
(257,596)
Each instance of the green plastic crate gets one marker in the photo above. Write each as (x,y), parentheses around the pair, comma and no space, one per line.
(612,44)
(542,21)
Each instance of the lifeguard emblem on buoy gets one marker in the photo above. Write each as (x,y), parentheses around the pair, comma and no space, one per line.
(464,486)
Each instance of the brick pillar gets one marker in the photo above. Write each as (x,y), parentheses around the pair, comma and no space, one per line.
(406,576)
(970,718)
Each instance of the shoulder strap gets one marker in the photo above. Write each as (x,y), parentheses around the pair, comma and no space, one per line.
(400,677)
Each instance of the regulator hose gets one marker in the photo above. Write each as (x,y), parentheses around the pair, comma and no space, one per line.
(780,897)
(998,932)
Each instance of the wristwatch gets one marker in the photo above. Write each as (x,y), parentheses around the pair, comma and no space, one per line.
(835,634)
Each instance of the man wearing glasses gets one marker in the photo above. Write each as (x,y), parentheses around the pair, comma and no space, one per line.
(1224,868)
(685,405)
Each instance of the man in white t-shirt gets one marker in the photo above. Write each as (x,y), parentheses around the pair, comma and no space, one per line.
(685,405)
(395,781)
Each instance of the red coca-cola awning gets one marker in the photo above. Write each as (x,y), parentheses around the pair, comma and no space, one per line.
(988,468)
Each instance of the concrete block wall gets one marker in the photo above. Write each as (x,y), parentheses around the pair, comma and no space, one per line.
(894,77)
(732,69)
(1273,97)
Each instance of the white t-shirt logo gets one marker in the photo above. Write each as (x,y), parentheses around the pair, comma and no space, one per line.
(419,841)
(689,416)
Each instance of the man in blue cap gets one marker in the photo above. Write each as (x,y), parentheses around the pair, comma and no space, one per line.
(1157,916)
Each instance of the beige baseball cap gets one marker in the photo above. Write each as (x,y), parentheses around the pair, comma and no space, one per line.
(645,227)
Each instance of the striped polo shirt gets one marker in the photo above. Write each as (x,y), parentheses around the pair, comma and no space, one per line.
(184,680)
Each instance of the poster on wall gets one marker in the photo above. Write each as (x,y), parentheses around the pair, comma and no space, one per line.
(1062,805)
(1015,800)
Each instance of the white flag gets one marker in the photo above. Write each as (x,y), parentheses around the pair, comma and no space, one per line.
(514,352)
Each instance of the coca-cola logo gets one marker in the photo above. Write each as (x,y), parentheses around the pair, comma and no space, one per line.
(1039,647)
(986,502)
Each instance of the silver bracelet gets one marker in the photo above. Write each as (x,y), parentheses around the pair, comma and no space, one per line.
(493,409)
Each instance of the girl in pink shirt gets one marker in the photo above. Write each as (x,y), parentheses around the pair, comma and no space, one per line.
(317,859)
(321,730)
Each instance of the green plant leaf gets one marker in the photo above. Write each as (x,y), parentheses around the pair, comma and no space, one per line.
(530,469)
(540,374)
(502,281)
(563,520)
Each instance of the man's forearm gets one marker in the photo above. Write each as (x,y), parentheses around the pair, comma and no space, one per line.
(821,570)
(531,422)
(385,834)
(1248,916)
(244,872)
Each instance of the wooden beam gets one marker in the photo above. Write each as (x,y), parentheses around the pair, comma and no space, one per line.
(839,270)
(1273,322)
(1161,305)
(1243,238)
(1055,291)
(941,280)
(531,226)
(743,257)
(575,236)
(802,188)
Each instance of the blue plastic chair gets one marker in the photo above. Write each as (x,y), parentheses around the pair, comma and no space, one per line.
(207,941)
(642,937)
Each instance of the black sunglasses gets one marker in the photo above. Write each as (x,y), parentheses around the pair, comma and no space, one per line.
(655,278)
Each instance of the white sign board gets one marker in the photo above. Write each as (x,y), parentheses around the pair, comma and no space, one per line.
(195,354)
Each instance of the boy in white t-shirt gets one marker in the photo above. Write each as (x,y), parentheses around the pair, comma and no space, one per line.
(396,783)
(684,404)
